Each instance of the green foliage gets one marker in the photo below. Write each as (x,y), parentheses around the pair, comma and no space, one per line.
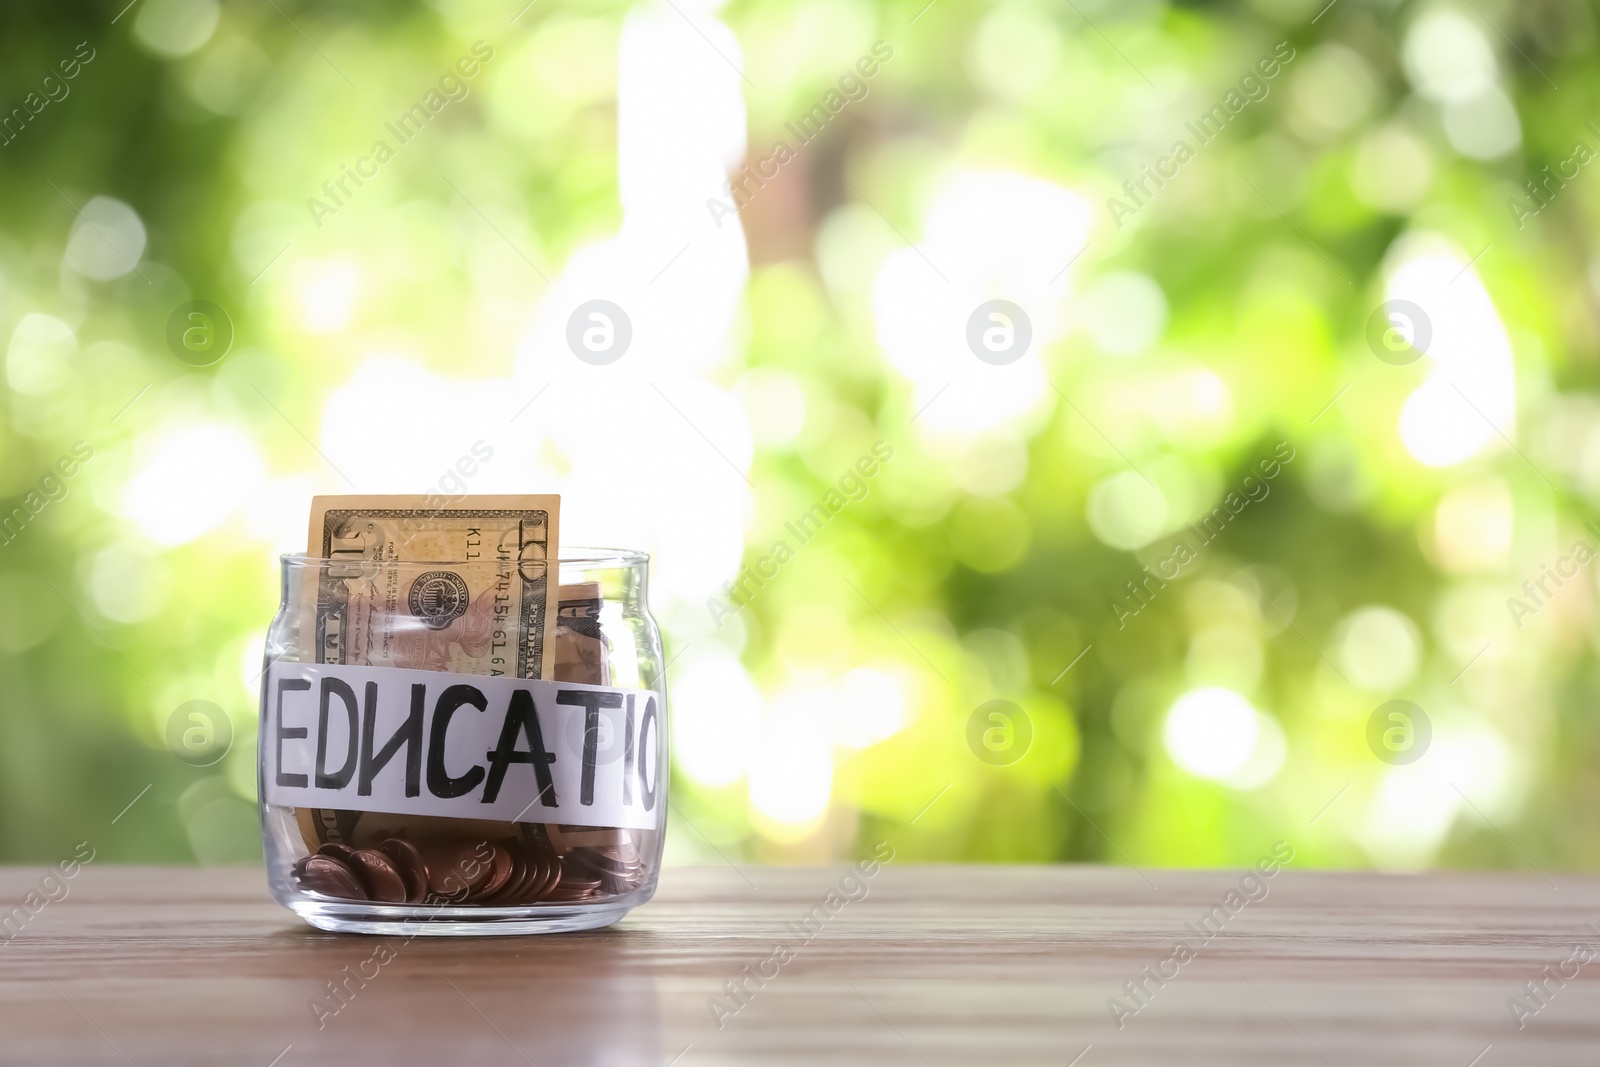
(1206,326)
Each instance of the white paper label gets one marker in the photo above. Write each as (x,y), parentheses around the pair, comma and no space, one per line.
(461,745)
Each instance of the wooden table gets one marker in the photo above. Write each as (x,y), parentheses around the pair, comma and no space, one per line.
(933,965)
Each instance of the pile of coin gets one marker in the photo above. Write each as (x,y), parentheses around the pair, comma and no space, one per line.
(615,868)
(502,872)
(392,873)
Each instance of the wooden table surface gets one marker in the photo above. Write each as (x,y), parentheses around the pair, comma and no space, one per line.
(933,965)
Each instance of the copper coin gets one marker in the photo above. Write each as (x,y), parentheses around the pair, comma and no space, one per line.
(477,864)
(329,877)
(499,871)
(544,872)
(543,868)
(570,893)
(437,856)
(336,850)
(603,861)
(456,867)
(617,882)
(408,861)
(509,893)
(549,870)
(526,888)
(529,872)
(575,882)
(382,881)
(554,870)
(532,869)
(615,875)
(549,875)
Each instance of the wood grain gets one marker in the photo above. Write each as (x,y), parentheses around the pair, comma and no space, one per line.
(933,965)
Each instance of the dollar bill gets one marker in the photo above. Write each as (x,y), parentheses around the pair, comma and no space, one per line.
(579,647)
(581,656)
(489,606)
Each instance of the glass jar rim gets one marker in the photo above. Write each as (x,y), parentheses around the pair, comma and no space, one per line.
(577,556)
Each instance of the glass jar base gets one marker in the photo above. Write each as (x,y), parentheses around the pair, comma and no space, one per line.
(456,922)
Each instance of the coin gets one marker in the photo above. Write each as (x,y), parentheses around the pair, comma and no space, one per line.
(456,867)
(535,869)
(379,876)
(509,893)
(408,861)
(550,861)
(341,852)
(463,863)
(616,867)
(541,875)
(575,883)
(570,894)
(499,871)
(530,873)
(617,883)
(329,877)
(603,861)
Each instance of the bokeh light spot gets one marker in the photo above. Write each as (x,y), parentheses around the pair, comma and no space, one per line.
(1379,648)
(1126,511)
(1211,732)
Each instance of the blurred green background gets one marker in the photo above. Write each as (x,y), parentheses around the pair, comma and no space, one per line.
(1338,313)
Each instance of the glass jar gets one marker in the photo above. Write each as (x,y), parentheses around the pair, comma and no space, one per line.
(411,781)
